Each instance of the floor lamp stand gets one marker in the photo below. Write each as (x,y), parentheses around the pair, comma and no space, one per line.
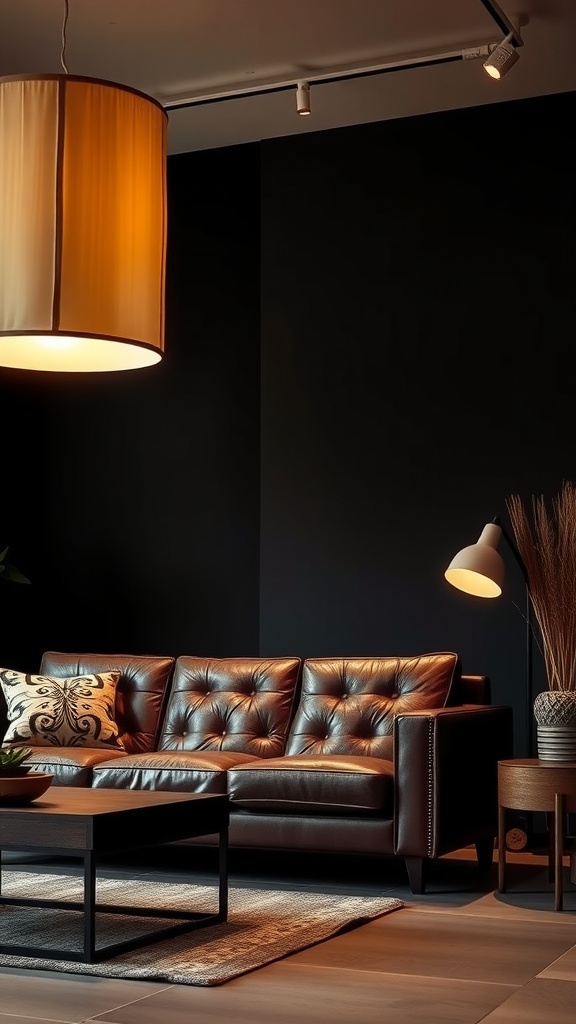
(521,835)
(529,696)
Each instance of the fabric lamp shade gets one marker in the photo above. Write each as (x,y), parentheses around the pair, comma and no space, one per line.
(83,224)
(479,568)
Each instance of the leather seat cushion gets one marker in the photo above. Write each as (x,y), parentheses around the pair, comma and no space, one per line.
(71,766)
(183,771)
(325,784)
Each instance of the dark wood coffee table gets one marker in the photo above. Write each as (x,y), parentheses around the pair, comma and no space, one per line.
(86,823)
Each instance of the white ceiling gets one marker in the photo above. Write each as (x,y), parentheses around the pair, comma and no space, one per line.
(180,48)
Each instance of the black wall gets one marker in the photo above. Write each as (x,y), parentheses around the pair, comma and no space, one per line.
(132,499)
(418,315)
(368,334)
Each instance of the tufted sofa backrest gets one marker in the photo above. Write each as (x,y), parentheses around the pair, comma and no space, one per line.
(141,692)
(237,704)
(348,705)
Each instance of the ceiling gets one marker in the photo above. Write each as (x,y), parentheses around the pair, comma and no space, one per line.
(174,49)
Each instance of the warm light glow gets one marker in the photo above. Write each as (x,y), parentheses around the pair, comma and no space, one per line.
(68,354)
(83,224)
(492,71)
(473,583)
(50,340)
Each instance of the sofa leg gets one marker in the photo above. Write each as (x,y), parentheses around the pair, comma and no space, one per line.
(485,854)
(416,868)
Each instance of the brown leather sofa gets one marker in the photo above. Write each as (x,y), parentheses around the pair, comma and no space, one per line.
(392,757)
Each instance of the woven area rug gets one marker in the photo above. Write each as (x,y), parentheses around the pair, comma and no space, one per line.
(263,925)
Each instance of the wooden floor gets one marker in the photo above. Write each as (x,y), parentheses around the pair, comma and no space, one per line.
(457,955)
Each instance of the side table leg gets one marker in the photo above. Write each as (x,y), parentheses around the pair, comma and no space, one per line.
(501,848)
(89,907)
(558,847)
(551,848)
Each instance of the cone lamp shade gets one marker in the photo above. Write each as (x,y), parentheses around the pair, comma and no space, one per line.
(479,568)
(82,224)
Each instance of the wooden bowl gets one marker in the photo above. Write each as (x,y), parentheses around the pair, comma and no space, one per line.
(22,789)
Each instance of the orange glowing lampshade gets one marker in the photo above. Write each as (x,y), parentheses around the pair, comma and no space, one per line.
(83,216)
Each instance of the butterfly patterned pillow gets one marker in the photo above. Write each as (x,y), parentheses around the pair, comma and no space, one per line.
(75,711)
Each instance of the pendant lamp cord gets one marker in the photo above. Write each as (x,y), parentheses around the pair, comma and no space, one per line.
(63,50)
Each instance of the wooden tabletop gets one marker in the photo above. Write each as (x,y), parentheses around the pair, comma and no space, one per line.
(68,818)
(87,802)
(529,784)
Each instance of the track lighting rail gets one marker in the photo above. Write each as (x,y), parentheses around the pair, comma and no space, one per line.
(344,73)
(507,26)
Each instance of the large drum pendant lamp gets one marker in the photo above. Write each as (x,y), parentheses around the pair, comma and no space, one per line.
(82,224)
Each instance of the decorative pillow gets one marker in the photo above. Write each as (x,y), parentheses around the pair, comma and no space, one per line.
(47,711)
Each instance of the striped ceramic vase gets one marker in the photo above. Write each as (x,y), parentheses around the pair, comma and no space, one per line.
(555,714)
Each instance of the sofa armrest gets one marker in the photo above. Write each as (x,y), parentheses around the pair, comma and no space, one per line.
(446,777)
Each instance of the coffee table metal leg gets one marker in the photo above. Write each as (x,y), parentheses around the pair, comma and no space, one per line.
(223,875)
(501,848)
(89,907)
(184,920)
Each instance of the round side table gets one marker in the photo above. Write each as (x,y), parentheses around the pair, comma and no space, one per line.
(528,784)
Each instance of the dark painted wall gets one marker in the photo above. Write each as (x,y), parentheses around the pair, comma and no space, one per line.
(411,301)
(418,315)
(132,499)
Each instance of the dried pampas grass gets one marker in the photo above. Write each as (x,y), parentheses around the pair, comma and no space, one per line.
(545,534)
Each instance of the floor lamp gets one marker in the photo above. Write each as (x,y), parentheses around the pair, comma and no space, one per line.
(479,570)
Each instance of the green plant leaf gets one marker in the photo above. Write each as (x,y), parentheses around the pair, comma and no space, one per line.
(12,757)
(10,572)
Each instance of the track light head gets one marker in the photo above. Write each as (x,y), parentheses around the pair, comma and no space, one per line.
(502,58)
(303,98)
